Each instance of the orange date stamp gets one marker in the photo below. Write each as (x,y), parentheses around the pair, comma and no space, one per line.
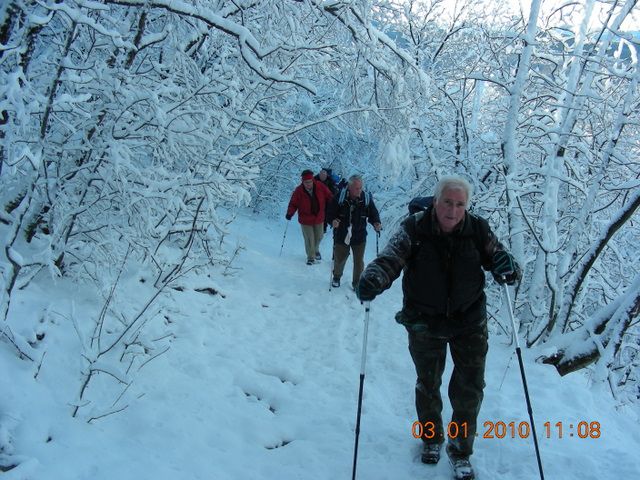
(427,430)
(498,430)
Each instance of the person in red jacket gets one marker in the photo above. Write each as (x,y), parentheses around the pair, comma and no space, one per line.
(310,199)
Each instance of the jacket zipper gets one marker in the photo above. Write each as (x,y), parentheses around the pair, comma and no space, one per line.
(449,279)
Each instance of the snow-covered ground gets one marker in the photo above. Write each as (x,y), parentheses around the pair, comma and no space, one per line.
(261,382)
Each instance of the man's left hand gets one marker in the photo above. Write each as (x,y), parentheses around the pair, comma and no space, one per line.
(377,226)
(504,269)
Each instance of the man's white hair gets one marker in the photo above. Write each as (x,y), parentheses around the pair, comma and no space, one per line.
(453,182)
(356,178)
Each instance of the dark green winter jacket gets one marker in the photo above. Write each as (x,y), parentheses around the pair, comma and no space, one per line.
(443,273)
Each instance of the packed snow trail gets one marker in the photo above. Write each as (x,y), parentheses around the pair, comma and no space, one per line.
(315,338)
(262,381)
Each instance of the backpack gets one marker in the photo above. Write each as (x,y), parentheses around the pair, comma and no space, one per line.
(417,204)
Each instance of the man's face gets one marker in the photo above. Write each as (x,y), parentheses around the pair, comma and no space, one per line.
(308,184)
(450,208)
(355,189)
(322,175)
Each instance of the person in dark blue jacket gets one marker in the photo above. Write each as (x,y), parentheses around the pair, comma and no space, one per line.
(348,213)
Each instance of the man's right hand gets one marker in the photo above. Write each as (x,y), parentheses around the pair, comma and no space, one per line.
(366,290)
(288,217)
(335,223)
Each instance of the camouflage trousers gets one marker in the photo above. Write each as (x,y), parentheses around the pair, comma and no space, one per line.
(469,352)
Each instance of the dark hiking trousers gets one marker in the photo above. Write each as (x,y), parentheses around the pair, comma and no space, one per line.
(469,352)
(340,256)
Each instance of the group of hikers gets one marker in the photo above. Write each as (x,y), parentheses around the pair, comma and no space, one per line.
(442,251)
(321,201)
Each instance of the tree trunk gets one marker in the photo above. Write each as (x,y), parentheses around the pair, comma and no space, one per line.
(510,145)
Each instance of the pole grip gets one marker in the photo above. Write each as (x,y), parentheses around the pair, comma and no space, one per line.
(513,321)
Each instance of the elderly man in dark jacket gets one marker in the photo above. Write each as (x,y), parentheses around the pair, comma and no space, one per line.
(442,252)
(348,213)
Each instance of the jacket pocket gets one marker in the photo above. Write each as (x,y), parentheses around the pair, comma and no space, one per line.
(408,316)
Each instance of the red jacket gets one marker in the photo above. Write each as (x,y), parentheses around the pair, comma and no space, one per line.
(302,202)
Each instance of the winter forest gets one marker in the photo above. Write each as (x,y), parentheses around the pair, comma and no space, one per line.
(134,132)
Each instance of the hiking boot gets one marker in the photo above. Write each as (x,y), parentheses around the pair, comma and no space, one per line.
(310,261)
(318,256)
(335,282)
(431,453)
(462,469)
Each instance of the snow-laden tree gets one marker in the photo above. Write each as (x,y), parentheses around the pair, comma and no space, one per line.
(567,97)
(129,124)
(541,112)
(365,88)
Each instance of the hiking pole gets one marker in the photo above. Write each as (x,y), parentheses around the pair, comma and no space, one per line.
(377,237)
(283,237)
(361,390)
(333,263)
(524,380)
